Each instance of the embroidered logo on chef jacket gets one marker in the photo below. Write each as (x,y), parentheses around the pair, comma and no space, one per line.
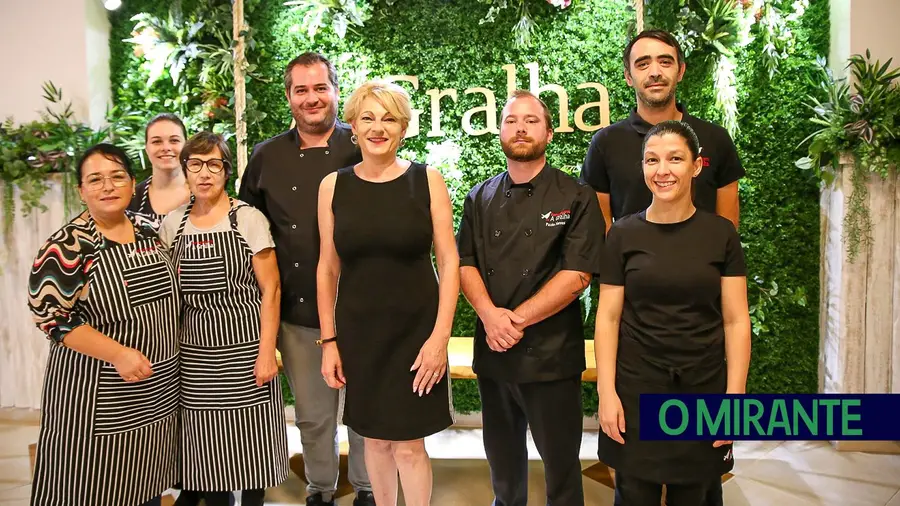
(552,219)
(728,456)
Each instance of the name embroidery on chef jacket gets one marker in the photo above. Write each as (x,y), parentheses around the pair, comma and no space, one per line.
(556,219)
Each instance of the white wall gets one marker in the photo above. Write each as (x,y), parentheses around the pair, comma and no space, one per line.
(857,25)
(66,42)
(63,41)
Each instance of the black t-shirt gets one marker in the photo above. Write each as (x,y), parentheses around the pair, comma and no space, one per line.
(613,163)
(671,324)
(282,181)
(519,236)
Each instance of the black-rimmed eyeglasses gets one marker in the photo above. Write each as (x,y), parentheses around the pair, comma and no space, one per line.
(215,165)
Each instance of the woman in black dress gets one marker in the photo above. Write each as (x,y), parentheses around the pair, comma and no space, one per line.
(385,316)
(672,318)
(166,188)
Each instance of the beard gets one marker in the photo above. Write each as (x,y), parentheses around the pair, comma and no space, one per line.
(316,127)
(656,101)
(524,153)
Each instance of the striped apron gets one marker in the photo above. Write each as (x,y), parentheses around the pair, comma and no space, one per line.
(103,441)
(235,436)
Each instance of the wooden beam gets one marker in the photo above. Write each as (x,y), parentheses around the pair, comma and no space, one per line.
(639,15)
(240,90)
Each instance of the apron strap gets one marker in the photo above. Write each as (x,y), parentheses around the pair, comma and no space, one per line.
(232,214)
(184,219)
(145,198)
(232,218)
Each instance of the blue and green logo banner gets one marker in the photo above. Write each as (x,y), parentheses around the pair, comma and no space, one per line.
(864,417)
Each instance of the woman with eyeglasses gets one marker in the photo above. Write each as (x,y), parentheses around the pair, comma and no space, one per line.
(234,432)
(166,188)
(104,292)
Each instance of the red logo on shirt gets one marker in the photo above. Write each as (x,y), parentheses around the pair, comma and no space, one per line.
(201,244)
(552,219)
(705,161)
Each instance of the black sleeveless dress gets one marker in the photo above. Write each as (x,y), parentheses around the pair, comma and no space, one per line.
(387,304)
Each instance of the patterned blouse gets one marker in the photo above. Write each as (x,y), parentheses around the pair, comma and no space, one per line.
(59,274)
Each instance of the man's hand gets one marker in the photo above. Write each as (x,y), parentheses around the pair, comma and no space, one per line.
(500,327)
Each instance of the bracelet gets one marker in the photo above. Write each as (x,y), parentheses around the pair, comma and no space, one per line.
(320,342)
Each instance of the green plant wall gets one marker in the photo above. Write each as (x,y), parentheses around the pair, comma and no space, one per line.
(444,44)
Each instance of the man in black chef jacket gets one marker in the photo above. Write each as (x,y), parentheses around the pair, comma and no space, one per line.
(654,65)
(528,249)
(282,180)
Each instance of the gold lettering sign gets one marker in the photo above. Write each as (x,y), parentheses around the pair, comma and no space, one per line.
(489,109)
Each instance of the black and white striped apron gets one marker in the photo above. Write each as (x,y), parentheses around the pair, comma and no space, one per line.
(235,437)
(104,441)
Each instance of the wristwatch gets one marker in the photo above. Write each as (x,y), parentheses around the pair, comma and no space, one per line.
(320,342)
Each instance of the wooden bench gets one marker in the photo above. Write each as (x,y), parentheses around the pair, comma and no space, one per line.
(460,359)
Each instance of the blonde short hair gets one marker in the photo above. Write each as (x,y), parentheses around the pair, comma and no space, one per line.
(391,96)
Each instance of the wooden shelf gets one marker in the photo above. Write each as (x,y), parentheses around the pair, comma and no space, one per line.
(460,359)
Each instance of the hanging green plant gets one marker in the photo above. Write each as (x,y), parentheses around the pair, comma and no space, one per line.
(340,15)
(862,123)
(31,151)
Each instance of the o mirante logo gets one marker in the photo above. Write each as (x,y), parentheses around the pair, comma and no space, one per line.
(776,417)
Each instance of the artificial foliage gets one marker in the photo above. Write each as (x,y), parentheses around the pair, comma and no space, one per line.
(447,46)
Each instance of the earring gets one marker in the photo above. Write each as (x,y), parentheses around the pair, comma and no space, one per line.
(402,142)
(354,139)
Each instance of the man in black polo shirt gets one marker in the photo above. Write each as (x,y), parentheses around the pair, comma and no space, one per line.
(282,180)
(527,251)
(654,64)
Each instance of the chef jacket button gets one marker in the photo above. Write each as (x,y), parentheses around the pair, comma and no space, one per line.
(508,193)
(296,264)
(490,272)
(530,192)
(294,188)
(293,226)
(529,349)
(301,155)
(497,233)
(524,272)
(528,232)
(301,299)
(327,152)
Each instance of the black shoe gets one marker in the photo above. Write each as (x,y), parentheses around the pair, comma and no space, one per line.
(364,498)
(317,500)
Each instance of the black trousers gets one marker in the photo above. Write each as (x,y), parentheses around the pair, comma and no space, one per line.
(254,497)
(633,491)
(713,494)
(553,411)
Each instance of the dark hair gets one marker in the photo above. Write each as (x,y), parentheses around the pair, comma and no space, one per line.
(165,116)
(309,59)
(678,128)
(682,130)
(660,35)
(525,93)
(203,143)
(108,151)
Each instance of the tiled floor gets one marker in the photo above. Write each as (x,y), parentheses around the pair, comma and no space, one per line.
(769,473)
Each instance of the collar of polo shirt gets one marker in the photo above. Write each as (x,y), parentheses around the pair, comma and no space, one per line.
(642,127)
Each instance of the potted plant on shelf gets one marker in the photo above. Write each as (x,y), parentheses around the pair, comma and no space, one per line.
(33,153)
(859,123)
